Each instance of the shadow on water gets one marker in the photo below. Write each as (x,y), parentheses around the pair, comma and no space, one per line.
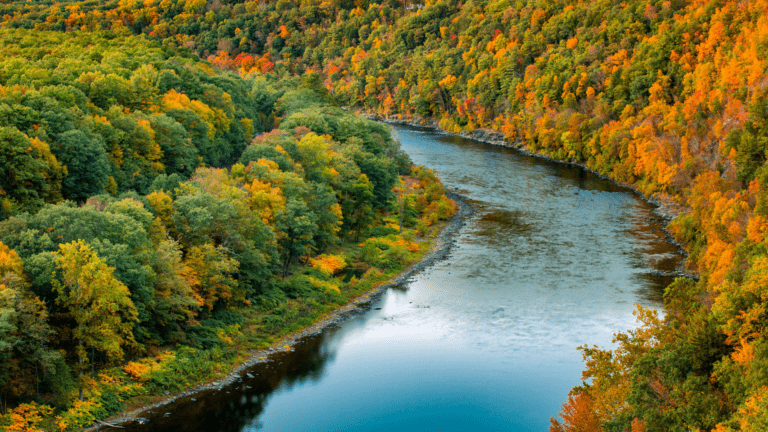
(653,292)
(238,406)
(499,225)
(497,158)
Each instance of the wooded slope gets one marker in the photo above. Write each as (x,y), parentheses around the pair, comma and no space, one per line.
(151,234)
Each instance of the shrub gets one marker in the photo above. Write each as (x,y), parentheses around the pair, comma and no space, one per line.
(328,264)
(25,417)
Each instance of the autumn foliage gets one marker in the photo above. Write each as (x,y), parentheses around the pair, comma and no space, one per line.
(328,264)
(667,96)
(149,228)
(578,415)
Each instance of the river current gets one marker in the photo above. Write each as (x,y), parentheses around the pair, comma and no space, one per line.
(484,340)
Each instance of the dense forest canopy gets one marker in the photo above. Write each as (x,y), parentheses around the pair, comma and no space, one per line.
(670,96)
(156,208)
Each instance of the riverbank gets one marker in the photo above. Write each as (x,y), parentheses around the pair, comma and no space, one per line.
(441,247)
(664,207)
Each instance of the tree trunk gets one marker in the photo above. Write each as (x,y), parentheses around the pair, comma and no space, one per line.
(287,265)
(80,371)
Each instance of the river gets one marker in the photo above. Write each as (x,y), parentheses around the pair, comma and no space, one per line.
(484,340)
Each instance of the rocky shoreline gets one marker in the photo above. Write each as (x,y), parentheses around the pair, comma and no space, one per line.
(665,208)
(440,250)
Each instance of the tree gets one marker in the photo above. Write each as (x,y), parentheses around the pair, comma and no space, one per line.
(176,302)
(30,173)
(323,203)
(221,217)
(86,161)
(297,227)
(115,230)
(211,276)
(24,332)
(136,151)
(98,302)
(382,174)
(357,206)
(401,196)
(578,415)
(179,153)
(7,336)
(257,151)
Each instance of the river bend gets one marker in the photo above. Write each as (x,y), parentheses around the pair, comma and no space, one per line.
(484,340)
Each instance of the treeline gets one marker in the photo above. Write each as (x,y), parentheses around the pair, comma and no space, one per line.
(280,37)
(148,239)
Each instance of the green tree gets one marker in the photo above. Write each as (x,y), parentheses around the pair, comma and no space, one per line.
(382,174)
(297,227)
(323,203)
(86,161)
(357,206)
(179,154)
(7,339)
(24,351)
(257,151)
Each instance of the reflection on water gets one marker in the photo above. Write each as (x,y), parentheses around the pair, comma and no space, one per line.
(240,405)
(485,340)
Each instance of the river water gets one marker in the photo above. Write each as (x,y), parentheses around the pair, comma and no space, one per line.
(484,340)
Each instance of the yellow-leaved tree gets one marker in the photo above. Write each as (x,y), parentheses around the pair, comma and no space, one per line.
(97,301)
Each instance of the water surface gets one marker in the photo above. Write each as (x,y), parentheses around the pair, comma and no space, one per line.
(485,340)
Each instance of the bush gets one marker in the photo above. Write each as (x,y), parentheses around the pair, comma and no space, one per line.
(381,231)
(188,367)
(298,286)
(421,228)
(370,254)
(110,403)
(328,264)
(25,417)
(395,257)
(229,317)
(80,415)
(212,333)
(206,335)
(278,317)
(271,295)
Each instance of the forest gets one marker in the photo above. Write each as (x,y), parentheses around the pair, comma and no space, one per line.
(161,217)
(668,96)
